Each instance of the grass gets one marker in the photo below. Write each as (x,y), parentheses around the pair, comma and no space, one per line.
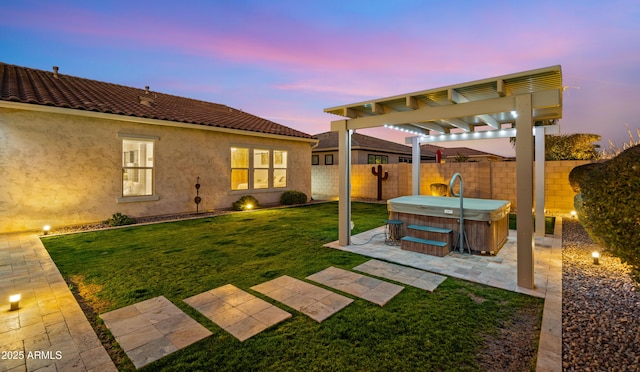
(549,223)
(417,330)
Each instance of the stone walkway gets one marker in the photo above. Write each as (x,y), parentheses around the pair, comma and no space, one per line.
(241,314)
(371,289)
(402,274)
(49,331)
(152,329)
(313,301)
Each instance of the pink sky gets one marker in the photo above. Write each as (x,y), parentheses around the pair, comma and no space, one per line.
(288,60)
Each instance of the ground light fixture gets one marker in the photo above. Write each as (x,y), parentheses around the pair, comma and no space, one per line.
(14,301)
(46,229)
(248,206)
(574,214)
(596,257)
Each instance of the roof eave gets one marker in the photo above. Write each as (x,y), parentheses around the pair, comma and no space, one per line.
(140,120)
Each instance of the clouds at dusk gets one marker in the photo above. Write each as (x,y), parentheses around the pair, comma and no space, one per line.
(288,60)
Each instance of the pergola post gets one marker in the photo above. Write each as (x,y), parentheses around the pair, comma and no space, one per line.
(524,193)
(540,161)
(415,165)
(344,182)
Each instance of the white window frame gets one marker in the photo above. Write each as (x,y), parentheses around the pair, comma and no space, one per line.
(137,198)
(251,186)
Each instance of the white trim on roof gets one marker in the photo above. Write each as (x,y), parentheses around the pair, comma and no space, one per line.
(139,120)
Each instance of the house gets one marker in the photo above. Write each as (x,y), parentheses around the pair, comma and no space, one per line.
(364,150)
(74,150)
(458,154)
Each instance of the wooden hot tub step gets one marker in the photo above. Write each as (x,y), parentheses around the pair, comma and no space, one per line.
(432,247)
(429,229)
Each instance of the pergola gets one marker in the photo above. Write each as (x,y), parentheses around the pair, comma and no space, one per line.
(482,109)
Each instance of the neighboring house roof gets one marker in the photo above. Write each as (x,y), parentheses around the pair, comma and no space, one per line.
(455,151)
(328,141)
(38,87)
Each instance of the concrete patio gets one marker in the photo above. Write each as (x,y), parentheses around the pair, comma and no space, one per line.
(498,271)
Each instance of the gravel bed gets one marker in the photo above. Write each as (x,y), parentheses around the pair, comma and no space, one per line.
(600,307)
(139,221)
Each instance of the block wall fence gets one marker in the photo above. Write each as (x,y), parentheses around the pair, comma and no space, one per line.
(485,180)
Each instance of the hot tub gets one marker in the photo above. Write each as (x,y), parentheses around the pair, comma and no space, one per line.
(486,220)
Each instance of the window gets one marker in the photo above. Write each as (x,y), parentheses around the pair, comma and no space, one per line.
(404,159)
(137,167)
(258,169)
(279,168)
(315,159)
(378,159)
(239,168)
(261,162)
(328,159)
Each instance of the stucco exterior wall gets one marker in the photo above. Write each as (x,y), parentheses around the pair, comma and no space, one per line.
(61,169)
(360,156)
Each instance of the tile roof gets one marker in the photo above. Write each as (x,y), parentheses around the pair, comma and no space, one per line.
(38,87)
(454,151)
(329,140)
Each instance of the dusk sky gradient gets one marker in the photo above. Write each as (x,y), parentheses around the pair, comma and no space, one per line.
(287,61)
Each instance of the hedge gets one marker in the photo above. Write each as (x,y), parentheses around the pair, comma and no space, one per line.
(611,206)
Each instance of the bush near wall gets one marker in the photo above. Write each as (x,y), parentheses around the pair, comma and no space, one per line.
(292,197)
(611,206)
(577,175)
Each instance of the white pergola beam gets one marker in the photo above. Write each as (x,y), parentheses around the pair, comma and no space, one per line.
(455,97)
(429,113)
(539,171)
(459,124)
(344,182)
(377,108)
(411,102)
(488,134)
(524,192)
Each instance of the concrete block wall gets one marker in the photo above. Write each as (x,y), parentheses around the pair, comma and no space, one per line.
(503,182)
(558,192)
(486,180)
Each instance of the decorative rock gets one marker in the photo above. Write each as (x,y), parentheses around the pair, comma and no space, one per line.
(600,312)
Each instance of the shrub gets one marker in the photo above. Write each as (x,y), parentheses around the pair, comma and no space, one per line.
(119,219)
(291,197)
(611,206)
(246,202)
(577,175)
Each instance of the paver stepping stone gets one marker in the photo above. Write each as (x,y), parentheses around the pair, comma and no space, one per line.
(236,311)
(371,289)
(407,275)
(313,301)
(152,329)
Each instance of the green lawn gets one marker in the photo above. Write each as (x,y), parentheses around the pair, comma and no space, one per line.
(417,330)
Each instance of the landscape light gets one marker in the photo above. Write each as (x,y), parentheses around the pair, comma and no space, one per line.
(46,229)
(574,214)
(248,206)
(14,300)
(596,258)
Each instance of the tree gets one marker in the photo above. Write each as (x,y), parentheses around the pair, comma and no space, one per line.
(460,158)
(577,146)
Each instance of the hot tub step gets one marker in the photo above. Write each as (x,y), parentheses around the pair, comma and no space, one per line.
(429,229)
(432,247)
(439,234)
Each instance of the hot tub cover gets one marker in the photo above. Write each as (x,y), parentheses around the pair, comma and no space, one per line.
(438,206)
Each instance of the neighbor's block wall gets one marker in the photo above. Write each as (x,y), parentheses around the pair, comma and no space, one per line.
(61,169)
(485,180)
